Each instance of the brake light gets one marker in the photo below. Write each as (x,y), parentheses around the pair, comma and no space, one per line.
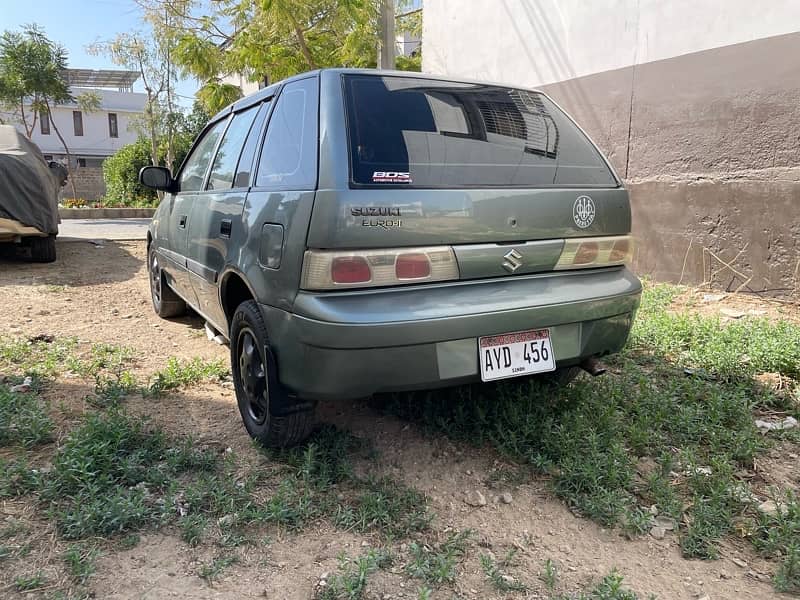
(586,254)
(350,269)
(337,269)
(412,266)
(581,253)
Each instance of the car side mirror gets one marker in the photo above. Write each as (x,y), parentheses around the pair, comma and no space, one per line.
(157,178)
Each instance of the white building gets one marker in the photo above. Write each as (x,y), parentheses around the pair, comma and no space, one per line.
(91,136)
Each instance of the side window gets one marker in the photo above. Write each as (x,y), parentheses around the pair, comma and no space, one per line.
(289,157)
(243,174)
(195,167)
(230,148)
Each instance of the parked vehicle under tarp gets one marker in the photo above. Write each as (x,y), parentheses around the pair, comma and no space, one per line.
(28,185)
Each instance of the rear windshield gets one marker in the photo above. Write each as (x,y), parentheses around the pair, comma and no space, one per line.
(407,131)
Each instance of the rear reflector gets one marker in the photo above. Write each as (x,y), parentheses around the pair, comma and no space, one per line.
(339,269)
(581,253)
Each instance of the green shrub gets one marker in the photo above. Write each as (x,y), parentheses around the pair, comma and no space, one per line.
(121,174)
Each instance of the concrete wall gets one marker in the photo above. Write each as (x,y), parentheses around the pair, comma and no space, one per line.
(89,184)
(697,105)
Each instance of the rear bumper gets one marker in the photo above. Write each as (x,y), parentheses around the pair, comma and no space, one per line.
(11,230)
(353,344)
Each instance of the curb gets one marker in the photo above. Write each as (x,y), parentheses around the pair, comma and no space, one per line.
(106,213)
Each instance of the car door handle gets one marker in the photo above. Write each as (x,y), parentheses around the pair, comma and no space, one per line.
(225,228)
(182,222)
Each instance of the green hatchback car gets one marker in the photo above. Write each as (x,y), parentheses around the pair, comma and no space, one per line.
(360,231)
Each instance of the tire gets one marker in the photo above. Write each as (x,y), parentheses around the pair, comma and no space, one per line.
(561,377)
(43,249)
(166,303)
(272,416)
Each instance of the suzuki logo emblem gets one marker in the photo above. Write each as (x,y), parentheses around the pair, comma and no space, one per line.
(513,261)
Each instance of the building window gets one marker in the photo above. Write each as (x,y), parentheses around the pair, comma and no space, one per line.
(44,122)
(112,125)
(82,162)
(77,122)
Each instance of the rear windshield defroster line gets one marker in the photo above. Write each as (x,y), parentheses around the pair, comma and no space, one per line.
(427,133)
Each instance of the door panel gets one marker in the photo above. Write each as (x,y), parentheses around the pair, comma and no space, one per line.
(210,249)
(216,231)
(174,251)
(190,181)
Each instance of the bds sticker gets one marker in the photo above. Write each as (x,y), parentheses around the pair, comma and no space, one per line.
(391,177)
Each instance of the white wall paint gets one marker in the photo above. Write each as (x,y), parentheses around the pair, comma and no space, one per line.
(536,42)
(96,139)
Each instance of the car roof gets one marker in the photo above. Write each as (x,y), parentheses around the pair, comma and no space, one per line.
(270,90)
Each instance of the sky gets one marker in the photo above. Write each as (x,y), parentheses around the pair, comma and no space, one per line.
(78,23)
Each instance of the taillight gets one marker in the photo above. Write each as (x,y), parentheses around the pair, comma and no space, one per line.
(412,266)
(350,269)
(580,253)
(337,269)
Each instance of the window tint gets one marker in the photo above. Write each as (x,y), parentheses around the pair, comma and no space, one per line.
(230,148)
(195,167)
(427,133)
(289,157)
(242,178)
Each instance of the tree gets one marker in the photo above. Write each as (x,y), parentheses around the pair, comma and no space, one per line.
(215,95)
(269,39)
(136,52)
(32,74)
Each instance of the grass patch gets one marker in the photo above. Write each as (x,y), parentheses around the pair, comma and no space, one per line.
(730,350)
(360,504)
(778,536)
(495,572)
(609,587)
(41,357)
(29,583)
(178,374)
(80,560)
(107,476)
(695,432)
(23,419)
(17,478)
(350,582)
(436,564)
(192,529)
(213,570)
(386,506)
(109,365)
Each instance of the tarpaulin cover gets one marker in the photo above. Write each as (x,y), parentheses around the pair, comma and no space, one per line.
(28,187)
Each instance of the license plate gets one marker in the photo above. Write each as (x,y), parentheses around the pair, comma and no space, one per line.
(516,354)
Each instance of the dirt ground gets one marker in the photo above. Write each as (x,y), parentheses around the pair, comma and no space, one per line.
(100,294)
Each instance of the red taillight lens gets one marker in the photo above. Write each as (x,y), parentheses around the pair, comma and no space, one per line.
(377,267)
(621,251)
(582,253)
(412,266)
(350,269)
(587,254)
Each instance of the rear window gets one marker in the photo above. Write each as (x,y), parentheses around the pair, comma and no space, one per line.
(406,131)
